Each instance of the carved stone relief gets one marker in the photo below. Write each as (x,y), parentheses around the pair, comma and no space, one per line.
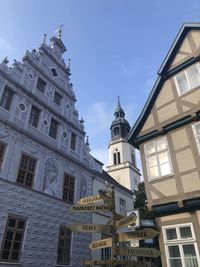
(50,177)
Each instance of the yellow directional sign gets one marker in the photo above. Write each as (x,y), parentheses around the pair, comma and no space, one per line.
(114,262)
(104,243)
(138,235)
(139,252)
(89,228)
(90,199)
(126,221)
(90,208)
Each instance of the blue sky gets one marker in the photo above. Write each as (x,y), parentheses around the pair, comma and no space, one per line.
(116,48)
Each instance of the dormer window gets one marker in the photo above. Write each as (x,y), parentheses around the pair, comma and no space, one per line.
(41,85)
(188,79)
(54,72)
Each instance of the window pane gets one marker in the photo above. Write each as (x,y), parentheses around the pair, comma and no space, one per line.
(189,250)
(150,148)
(176,263)
(161,144)
(153,172)
(193,76)
(174,251)
(171,233)
(191,262)
(197,128)
(182,83)
(185,232)
(152,161)
(165,169)
(163,157)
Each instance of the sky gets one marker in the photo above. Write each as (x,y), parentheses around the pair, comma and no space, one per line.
(116,48)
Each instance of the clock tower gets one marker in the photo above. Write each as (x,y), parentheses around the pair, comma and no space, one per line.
(122,160)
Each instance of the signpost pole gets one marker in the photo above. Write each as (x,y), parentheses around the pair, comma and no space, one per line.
(114,228)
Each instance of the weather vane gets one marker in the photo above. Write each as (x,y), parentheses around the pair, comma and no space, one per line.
(59,31)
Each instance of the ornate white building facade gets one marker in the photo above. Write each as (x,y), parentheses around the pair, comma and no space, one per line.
(45,164)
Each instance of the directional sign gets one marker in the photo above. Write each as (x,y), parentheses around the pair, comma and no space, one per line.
(89,228)
(90,199)
(90,208)
(104,243)
(139,252)
(126,221)
(148,233)
(114,262)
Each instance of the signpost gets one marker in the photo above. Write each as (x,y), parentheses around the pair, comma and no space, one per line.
(91,208)
(139,252)
(126,221)
(89,228)
(148,233)
(116,222)
(104,243)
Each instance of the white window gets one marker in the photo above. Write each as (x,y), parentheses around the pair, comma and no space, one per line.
(196,131)
(116,157)
(180,246)
(158,160)
(188,79)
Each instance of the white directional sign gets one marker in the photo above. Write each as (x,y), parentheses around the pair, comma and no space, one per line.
(104,243)
(89,228)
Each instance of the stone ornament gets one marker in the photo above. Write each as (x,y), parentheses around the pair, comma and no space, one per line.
(50,177)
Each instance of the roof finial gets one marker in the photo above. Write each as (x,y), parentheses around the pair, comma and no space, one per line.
(44,38)
(59,31)
(87,141)
(69,63)
(118,102)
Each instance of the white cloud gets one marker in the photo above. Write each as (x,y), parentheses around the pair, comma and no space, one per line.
(4,44)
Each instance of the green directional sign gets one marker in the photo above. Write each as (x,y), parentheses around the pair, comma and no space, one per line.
(114,262)
(148,233)
(89,228)
(90,208)
(139,252)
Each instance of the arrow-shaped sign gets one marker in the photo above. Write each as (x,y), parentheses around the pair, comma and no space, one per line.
(139,252)
(126,221)
(148,233)
(104,243)
(91,199)
(89,228)
(91,208)
(114,262)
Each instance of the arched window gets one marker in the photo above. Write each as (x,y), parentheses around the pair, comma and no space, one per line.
(116,131)
(116,157)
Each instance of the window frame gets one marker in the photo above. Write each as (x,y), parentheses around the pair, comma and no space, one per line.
(2,153)
(180,242)
(6,105)
(67,190)
(156,153)
(64,238)
(32,116)
(196,136)
(26,170)
(14,230)
(185,72)
(42,90)
(57,99)
(116,157)
(73,141)
(53,130)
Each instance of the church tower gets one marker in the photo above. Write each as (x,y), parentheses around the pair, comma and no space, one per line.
(122,160)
